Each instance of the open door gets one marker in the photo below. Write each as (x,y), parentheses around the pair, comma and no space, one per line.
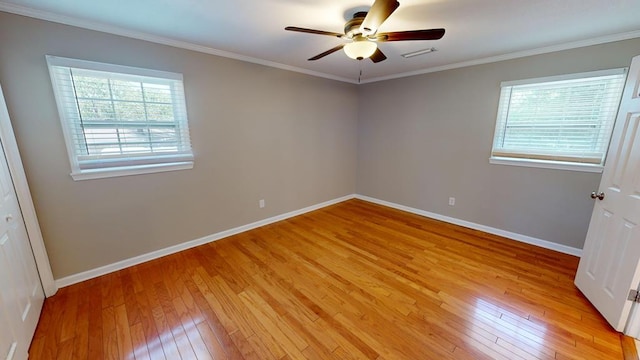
(610,265)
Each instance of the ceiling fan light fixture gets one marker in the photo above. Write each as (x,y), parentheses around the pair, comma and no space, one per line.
(360,48)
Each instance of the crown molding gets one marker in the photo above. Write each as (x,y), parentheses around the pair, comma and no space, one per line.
(115,30)
(515,55)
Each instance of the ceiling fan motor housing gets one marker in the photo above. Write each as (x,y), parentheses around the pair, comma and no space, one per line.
(352,27)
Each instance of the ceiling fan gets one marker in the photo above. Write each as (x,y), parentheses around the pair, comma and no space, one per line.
(362,33)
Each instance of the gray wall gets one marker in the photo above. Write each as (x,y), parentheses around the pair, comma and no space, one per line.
(257,133)
(288,138)
(425,138)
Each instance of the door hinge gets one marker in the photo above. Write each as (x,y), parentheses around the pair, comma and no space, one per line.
(634,295)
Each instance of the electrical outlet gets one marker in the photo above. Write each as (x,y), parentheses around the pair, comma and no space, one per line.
(261,203)
(452,201)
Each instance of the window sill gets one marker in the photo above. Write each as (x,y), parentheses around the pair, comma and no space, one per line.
(130,170)
(546,164)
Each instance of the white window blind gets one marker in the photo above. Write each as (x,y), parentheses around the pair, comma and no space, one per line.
(117,118)
(565,119)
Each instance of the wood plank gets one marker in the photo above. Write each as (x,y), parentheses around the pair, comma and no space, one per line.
(190,329)
(211,341)
(139,343)
(109,334)
(123,333)
(167,342)
(81,335)
(353,280)
(96,348)
(149,329)
(629,348)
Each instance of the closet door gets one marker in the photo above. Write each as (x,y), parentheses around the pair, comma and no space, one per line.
(21,293)
(10,322)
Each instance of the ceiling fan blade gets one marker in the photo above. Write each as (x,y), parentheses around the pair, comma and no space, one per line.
(330,51)
(312,31)
(379,12)
(431,34)
(378,56)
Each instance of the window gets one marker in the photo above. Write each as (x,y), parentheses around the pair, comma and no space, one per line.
(119,120)
(561,122)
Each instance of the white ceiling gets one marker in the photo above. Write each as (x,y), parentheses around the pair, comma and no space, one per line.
(476,30)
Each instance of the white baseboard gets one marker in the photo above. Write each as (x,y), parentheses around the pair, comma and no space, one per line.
(507,234)
(90,274)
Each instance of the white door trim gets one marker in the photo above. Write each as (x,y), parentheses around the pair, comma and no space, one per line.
(16,168)
(633,323)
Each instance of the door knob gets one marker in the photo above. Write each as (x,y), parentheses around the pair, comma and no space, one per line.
(599,195)
(8,218)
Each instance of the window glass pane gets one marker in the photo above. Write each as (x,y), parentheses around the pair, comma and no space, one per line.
(160,112)
(136,148)
(100,136)
(129,111)
(91,87)
(96,110)
(101,141)
(157,93)
(126,90)
(164,137)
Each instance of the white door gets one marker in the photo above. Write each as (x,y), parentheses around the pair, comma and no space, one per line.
(21,294)
(610,263)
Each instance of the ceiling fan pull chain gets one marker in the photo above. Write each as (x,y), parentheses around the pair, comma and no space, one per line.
(360,76)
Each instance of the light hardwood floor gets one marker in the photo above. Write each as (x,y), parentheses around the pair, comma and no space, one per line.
(350,281)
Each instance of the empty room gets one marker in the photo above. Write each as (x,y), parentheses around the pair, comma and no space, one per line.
(378,179)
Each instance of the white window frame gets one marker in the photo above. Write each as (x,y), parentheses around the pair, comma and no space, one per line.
(549,161)
(87,166)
